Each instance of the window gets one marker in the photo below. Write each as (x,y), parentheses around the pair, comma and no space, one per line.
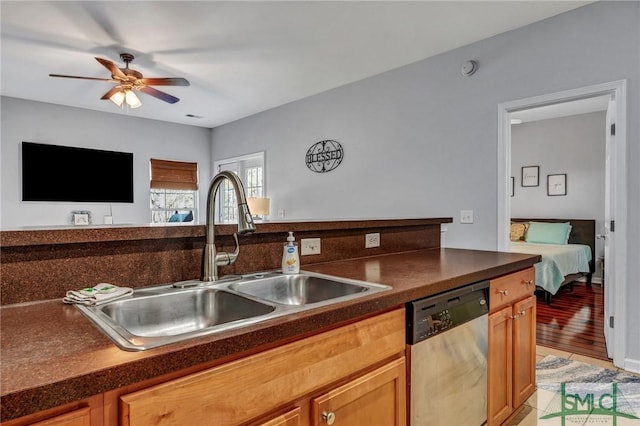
(174,191)
(250,169)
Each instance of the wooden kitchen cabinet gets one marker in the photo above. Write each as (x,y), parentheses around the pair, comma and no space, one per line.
(512,345)
(292,417)
(289,375)
(87,412)
(81,417)
(524,350)
(377,398)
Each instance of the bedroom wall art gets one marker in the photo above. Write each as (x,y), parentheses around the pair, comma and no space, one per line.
(557,184)
(530,176)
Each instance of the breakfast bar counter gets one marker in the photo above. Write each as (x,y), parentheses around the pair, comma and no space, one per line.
(53,355)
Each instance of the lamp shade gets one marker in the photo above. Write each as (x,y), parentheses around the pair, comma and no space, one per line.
(126,96)
(258,206)
(117,98)
(132,99)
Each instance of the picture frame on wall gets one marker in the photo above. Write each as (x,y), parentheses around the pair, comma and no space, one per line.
(557,184)
(530,176)
(513,185)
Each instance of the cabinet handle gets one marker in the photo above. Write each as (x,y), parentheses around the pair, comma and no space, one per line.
(514,317)
(528,282)
(328,417)
(522,313)
(503,292)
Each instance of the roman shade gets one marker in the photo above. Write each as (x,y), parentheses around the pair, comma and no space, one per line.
(166,174)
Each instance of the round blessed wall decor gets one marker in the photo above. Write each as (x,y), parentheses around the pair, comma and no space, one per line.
(324,156)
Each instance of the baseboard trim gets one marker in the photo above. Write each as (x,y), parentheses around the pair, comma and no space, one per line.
(594,280)
(632,365)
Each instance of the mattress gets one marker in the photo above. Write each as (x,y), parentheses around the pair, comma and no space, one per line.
(558,261)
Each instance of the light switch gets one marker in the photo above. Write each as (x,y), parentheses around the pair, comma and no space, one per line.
(466,216)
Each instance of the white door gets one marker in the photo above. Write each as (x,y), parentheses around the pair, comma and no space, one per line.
(608,236)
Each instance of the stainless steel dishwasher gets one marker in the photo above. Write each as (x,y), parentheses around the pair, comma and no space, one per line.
(447,347)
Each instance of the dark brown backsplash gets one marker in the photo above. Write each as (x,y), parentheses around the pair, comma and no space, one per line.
(44,264)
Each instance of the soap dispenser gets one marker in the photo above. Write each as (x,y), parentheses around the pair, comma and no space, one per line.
(290,258)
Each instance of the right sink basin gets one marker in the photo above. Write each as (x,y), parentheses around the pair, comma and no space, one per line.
(298,289)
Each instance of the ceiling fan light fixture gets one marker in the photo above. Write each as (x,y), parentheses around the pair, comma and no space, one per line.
(117,98)
(132,99)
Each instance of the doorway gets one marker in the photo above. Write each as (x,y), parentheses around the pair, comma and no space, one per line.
(615,197)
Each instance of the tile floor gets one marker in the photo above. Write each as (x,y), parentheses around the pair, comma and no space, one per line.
(529,415)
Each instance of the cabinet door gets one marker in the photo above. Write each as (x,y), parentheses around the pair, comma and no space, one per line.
(86,412)
(290,418)
(375,399)
(524,350)
(81,417)
(499,367)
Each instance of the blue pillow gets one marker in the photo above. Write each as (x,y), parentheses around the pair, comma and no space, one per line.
(548,233)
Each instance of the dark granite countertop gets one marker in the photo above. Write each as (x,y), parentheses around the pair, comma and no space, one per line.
(51,354)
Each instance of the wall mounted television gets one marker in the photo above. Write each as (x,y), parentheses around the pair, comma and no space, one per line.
(64,173)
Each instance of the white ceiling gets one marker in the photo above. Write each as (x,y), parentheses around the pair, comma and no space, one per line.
(241,57)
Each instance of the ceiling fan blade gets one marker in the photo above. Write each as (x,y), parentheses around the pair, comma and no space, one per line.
(84,78)
(164,81)
(158,94)
(111,92)
(115,71)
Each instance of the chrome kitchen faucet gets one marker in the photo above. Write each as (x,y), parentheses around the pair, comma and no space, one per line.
(245,226)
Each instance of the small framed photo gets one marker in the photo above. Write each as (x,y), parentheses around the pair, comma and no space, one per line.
(80,219)
(530,176)
(513,185)
(557,184)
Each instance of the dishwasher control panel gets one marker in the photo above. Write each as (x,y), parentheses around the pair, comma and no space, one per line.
(435,314)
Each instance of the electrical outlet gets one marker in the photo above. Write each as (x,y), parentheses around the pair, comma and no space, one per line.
(372,240)
(309,246)
(281,213)
(466,216)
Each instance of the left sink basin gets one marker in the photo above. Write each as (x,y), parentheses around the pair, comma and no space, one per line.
(157,316)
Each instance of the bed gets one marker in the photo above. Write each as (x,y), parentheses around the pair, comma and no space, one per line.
(563,262)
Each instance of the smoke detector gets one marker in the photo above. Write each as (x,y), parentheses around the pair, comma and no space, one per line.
(468,68)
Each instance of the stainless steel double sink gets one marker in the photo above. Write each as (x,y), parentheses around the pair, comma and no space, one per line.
(156,316)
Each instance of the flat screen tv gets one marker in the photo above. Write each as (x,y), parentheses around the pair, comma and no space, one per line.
(64,173)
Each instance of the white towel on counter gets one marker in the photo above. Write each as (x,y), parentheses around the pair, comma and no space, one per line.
(97,295)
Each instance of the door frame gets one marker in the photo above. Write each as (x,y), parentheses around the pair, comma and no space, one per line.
(618,91)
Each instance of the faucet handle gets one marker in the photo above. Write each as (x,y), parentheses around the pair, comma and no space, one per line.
(224,258)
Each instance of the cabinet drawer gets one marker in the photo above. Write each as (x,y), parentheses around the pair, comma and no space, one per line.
(507,289)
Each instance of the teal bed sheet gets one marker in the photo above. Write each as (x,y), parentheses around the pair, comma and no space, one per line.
(558,261)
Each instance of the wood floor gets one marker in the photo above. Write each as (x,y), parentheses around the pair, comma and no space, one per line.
(574,321)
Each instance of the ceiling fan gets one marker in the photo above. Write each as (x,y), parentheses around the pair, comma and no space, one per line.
(127,80)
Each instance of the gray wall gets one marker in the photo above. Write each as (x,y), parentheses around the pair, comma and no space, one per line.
(422,140)
(30,121)
(572,145)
